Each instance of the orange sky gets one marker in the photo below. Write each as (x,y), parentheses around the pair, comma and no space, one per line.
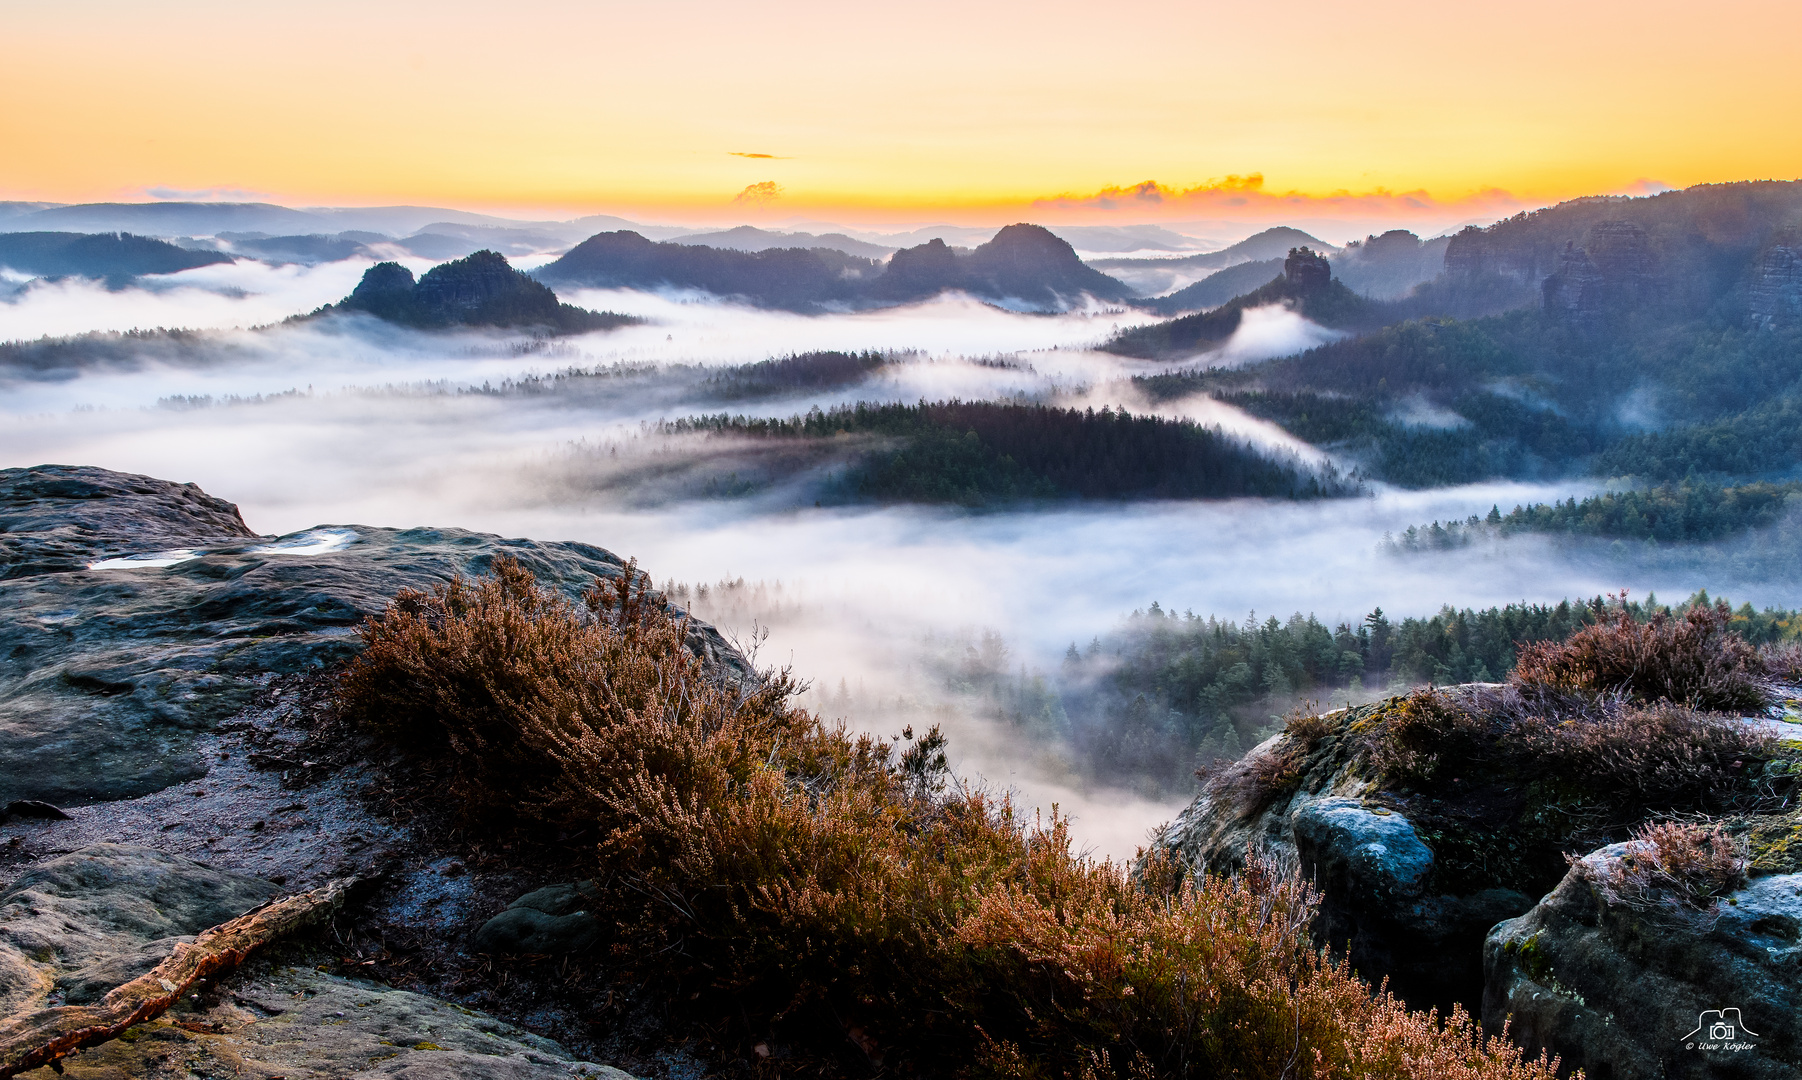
(886,112)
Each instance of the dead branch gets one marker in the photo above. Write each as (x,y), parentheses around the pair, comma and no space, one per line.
(39,1038)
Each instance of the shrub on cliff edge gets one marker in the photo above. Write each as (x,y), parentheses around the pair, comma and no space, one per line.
(800,880)
(1694,660)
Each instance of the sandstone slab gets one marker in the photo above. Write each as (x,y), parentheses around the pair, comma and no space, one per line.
(1630,994)
(135,613)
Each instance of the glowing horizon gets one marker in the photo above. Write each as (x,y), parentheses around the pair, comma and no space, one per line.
(693,109)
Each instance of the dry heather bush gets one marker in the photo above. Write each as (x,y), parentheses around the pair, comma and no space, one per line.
(489,677)
(1263,776)
(1645,756)
(1694,660)
(1783,660)
(796,879)
(1679,868)
(1426,731)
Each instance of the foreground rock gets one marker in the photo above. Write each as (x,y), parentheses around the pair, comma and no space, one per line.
(551,920)
(1627,993)
(161,701)
(135,613)
(77,926)
(1395,907)
(1434,884)
(287,1020)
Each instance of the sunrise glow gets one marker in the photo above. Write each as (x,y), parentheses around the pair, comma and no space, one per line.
(941,109)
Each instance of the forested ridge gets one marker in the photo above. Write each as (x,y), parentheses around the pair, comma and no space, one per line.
(1165,693)
(797,372)
(982,452)
(1331,304)
(1652,338)
(1688,513)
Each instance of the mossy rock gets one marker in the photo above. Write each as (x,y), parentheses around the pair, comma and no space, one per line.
(1775,844)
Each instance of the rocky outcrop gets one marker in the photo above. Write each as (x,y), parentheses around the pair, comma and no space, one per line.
(160,684)
(137,613)
(60,518)
(1389,903)
(77,926)
(1776,294)
(1306,271)
(1444,872)
(1615,271)
(1630,994)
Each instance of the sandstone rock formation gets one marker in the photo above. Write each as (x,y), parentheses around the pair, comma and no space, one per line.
(138,612)
(1615,270)
(1631,994)
(1776,298)
(1389,903)
(163,685)
(481,290)
(1307,271)
(1435,890)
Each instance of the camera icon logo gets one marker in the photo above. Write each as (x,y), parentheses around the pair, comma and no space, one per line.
(1717,1028)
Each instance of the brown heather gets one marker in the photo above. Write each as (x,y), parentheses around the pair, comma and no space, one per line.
(1642,757)
(1680,868)
(1258,779)
(1693,660)
(821,890)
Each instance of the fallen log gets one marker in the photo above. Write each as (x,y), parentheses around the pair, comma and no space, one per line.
(48,1035)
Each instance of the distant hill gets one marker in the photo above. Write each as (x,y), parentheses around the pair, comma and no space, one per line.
(1023,263)
(171,218)
(10,210)
(1304,284)
(481,290)
(751,238)
(1123,238)
(797,279)
(175,218)
(451,240)
(102,255)
(309,250)
(1217,288)
(1269,244)
(1678,252)
(1389,266)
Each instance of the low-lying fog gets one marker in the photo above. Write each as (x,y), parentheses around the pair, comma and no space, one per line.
(386,436)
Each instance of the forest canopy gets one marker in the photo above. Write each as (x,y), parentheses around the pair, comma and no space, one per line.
(986,453)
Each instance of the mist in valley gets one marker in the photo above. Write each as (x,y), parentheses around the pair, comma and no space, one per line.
(352,421)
